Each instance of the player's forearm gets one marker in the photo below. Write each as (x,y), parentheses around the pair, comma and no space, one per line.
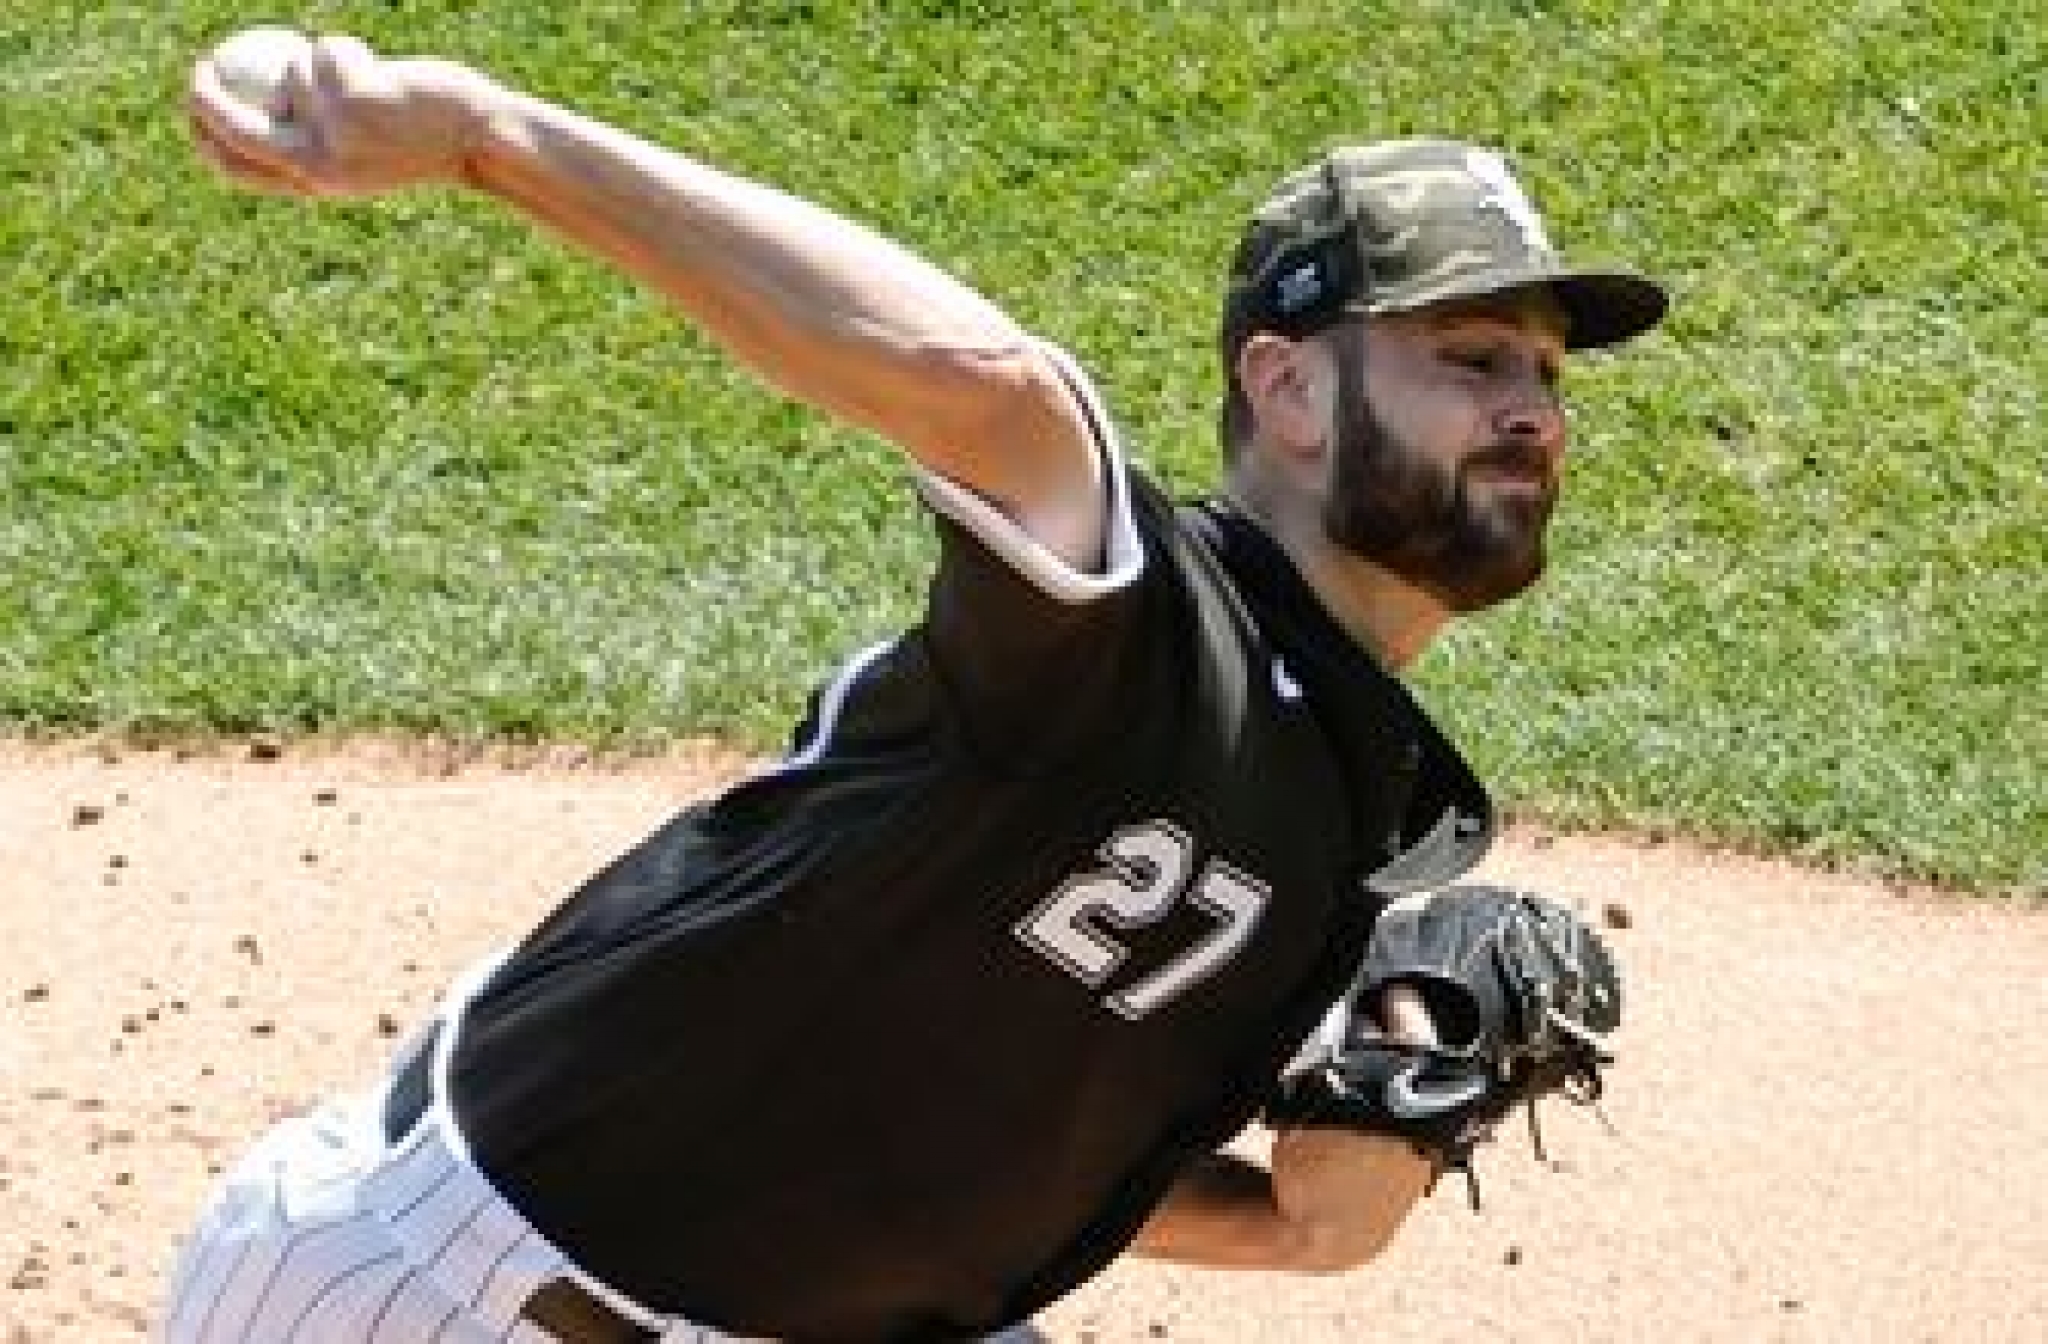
(1221,1214)
(1331,1202)
(826,310)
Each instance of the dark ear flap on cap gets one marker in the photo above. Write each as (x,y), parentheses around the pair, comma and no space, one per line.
(1312,277)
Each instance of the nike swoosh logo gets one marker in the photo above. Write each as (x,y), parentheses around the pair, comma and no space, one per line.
(1410,1097)
(1284,684)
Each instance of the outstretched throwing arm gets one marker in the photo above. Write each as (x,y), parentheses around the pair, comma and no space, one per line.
(818,306)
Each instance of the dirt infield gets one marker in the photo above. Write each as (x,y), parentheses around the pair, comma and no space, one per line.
(1832,1110)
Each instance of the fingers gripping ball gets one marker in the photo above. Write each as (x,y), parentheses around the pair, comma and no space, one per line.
(1523,995)
(254,66)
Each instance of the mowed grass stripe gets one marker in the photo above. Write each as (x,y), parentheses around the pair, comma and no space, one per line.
(407,465)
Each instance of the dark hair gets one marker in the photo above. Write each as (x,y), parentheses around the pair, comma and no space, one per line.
(1234,416)
(1284,279)
(1243,314)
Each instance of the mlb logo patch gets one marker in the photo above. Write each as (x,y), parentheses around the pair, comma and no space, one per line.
(1300,288)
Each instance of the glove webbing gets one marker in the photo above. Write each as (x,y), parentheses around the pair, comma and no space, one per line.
(1578,1081)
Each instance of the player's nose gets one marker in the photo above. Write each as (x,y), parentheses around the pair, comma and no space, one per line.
(1533,417)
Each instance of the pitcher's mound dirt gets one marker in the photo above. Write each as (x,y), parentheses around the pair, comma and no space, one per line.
(1832,1107)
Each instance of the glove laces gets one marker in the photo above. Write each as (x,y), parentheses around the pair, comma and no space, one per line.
(1576,1079)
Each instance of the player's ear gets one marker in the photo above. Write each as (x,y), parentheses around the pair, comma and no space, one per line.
(1291,387)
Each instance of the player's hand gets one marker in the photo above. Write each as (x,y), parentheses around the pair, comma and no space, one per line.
(356,123)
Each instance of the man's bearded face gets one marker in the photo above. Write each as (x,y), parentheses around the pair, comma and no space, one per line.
(1447,527)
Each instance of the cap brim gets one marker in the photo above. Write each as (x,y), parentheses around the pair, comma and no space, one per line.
(1607,307)
(1601,307)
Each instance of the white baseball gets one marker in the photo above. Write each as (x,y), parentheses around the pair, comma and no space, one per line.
(252,64)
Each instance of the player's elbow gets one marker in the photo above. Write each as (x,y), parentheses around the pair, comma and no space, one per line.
(984,399)
(1336,1246)
(1343,1194)
(1013,433)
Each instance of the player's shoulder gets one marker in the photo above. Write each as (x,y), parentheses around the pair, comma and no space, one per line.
(1186,532)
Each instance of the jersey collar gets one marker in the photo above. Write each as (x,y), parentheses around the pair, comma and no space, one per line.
(1424,819)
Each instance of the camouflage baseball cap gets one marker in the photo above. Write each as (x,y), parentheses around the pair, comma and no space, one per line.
(1403,224)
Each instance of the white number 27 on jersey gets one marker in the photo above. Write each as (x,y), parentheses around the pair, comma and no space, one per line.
(1149,870)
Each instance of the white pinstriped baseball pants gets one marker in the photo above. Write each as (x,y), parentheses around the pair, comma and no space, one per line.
(326,1232)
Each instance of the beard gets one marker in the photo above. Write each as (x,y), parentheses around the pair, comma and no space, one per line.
(1468,546)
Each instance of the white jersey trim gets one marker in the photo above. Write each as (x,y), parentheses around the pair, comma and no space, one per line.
(440,1115)
(1122,550)
(831,706)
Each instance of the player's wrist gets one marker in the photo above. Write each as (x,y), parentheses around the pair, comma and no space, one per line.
(458,112)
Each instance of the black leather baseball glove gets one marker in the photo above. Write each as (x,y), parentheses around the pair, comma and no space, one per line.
(1523,994)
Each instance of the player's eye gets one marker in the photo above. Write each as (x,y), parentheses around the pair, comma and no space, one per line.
(1474,359)
(1500,361)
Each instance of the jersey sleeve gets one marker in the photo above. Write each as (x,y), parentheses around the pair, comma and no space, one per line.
(1035,655)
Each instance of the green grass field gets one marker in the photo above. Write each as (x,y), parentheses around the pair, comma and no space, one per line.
(408,466)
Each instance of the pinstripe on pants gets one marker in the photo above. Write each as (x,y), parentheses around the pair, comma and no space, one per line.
(325,1234)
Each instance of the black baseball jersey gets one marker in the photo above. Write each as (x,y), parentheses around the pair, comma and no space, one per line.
(903,1038)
